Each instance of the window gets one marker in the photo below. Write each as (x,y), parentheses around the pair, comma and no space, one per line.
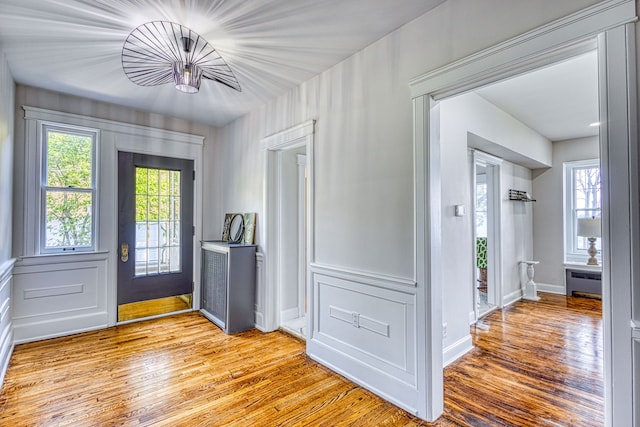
(481,205)
(68,189)
(157,213)
(582,200)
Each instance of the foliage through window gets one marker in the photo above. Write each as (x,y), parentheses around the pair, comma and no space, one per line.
(583,199)
(158,199)
(68,189)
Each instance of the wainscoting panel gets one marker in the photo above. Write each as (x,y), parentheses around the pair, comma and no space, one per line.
(59,295)
(6,331)
(364,328)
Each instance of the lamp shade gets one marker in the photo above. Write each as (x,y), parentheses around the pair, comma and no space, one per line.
(589,227)
(160,52)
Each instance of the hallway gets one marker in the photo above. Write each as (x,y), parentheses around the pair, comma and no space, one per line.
(535,364)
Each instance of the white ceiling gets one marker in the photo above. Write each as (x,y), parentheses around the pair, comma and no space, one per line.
(559,101)
(74,46)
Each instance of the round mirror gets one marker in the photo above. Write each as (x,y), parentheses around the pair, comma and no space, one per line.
(236,229)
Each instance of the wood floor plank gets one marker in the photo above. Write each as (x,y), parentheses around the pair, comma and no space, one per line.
(534,364)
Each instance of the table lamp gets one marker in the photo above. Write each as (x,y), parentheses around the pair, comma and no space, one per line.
(591,229)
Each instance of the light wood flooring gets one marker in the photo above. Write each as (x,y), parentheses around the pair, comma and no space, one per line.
(534,364)
(154,307)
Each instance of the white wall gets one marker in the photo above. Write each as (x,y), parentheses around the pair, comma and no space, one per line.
(363,160)
(516,230)
(548,211)
(7,93)
(464,120)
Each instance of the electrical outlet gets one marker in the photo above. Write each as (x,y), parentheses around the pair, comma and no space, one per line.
(444,330)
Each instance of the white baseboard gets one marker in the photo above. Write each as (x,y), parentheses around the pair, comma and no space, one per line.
(456,350)
(6,324)
(291,313)
(259,321)
(388,387)
(35,331)
(512,297)
(552,289)
(6,350)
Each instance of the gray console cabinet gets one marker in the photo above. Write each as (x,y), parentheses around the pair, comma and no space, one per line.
(228,285)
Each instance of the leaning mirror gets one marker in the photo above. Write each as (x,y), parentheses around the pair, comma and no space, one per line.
(236,229)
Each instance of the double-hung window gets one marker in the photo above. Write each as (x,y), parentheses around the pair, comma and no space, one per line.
(68,189)
(582,200)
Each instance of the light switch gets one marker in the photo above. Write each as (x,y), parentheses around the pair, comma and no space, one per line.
(459,210)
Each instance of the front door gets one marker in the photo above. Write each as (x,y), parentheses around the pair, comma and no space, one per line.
(155,227)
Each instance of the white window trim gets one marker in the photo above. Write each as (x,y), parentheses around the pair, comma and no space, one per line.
(40,226)
(571,254)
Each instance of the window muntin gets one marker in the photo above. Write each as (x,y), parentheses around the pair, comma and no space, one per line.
(68,189)
(583,200)
(158,225)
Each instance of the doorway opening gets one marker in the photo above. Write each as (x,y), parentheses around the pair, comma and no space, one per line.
(284,301)
(486,233)
(513,229)
(566,37)
(292,165)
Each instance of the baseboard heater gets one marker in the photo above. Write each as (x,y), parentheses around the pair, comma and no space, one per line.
(583,281)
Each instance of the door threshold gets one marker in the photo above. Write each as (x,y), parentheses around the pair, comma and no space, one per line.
(155,316)
(154,307)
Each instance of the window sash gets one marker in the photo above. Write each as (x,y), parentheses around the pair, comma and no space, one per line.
(46,190)
(575,249)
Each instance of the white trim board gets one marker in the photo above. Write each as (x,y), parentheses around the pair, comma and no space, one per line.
(552,289)
(35,113)
(511,297)
(456,350)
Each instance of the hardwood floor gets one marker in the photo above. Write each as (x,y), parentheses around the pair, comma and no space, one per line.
(183,371)
(534,364)
(139,310)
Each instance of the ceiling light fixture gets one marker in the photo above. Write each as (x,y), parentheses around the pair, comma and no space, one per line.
(594,124)
(161,52)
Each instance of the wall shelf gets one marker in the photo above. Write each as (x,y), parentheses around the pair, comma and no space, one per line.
(520,196)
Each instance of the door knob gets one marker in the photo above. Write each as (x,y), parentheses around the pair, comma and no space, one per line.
(124,252)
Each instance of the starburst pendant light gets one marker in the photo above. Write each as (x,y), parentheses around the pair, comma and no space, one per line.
(161,52)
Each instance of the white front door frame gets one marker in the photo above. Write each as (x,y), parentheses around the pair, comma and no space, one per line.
(273,145)
(607,26)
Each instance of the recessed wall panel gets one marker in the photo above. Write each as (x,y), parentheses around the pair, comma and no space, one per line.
(372,324)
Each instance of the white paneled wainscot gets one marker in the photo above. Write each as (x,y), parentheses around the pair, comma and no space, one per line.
(59,295)
(6,332)
(364,328)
